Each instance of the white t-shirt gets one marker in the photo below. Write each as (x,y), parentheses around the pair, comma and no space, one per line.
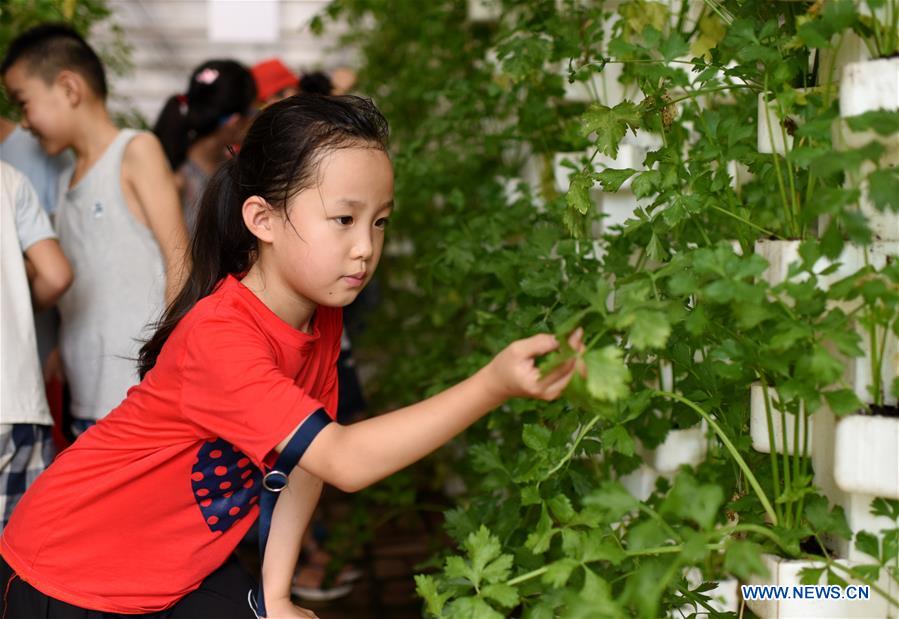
(22,224)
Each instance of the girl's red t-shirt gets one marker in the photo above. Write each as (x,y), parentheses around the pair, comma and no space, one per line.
(157,495)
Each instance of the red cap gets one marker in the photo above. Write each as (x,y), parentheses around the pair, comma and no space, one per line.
(271,77)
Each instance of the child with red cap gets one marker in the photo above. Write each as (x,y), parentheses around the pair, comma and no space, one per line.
(274,81)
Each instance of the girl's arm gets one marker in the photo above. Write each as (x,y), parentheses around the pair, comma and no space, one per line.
(355,456)
(291,518)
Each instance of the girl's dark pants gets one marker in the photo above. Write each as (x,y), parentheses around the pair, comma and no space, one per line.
(223,595)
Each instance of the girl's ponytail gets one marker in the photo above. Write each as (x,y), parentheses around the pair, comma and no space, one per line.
(280,156)
(222,244)
(217,89)
(172,130)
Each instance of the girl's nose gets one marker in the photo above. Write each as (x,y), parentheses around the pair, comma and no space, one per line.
(363,247)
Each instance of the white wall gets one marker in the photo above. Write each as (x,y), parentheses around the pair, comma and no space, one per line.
(170,37)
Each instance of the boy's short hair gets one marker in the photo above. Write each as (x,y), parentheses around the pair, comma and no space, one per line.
(48,49)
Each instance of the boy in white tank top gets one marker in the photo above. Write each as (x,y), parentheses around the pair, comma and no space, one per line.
(118,220)
(33,274)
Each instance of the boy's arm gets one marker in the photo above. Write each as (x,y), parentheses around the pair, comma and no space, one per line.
(49,273)
(147,172)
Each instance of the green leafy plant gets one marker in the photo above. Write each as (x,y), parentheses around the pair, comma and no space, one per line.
(880,27)
(679,318)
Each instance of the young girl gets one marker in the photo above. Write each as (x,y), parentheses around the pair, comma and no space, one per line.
(238,394)
(197,128)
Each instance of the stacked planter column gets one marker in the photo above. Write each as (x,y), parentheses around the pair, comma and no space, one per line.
(866,447)
(847,478)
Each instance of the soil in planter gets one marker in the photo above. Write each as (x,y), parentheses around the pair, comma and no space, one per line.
(884,411)
(811,546)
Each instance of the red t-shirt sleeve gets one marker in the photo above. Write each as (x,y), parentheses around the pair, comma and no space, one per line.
(233,388)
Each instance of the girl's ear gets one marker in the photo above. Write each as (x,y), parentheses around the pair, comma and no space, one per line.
(72,86)
(259,218)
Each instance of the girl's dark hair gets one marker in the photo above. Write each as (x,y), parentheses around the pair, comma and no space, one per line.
(280,157)
(316,83)
(217,89)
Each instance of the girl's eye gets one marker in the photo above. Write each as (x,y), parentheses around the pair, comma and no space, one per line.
(346,220)
(381,223)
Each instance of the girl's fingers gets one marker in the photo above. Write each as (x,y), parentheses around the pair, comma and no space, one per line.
(581,367)
(556,374)
(537,345)
(576,339)
(555,389)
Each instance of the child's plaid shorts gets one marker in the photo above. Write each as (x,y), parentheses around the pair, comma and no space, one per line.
(26,449)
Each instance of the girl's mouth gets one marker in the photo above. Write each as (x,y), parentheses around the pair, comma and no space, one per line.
(356,279)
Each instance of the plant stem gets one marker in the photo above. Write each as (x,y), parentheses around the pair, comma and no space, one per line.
(574,446)
(791,177)
(803,461)
(785,454)
(745,221)
(643,552)
(772,443)
(780,182)
(755,528)
(890,599)
(646,509)
(705,91)
(540,571)
(877,378)
(766,504)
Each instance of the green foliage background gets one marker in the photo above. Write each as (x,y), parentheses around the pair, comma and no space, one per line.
(483,253)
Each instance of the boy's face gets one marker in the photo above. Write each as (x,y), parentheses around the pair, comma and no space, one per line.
(46,110)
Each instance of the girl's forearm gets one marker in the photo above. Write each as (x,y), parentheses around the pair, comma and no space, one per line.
(291,517)
(355,456)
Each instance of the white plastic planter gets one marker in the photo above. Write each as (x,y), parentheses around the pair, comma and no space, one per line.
(484,10)
(824,433)
(644,139)
(869,85)
(724,598)
(601,86)
(772,137)
(758,424)
(858,370)
(739,174)
(857,508)
(884,225)
(866,458)
(787,573)
(617,208)
(532,173)
(781,254)
(832,61)
(680,448)
(640,482)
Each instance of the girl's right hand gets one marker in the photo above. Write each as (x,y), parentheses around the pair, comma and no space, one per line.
(285,609)
(514,373)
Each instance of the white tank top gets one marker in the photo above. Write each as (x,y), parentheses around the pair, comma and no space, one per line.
(119,286)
